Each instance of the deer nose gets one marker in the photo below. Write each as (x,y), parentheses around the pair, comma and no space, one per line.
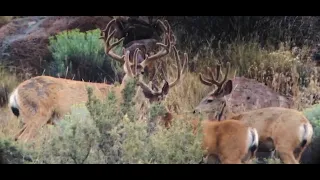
(194,111)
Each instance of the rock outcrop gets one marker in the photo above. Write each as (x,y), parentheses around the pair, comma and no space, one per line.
(24,41)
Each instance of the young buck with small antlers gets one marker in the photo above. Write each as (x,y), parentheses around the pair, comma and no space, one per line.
(44,99)
(285,130)
(228,141)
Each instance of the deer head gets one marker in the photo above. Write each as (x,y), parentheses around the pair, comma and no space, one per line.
(156,94)
(141,64)
(215,101)
(134,28)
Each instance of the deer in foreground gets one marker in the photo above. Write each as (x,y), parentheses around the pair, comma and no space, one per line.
(287,131)
(44,99)
(228,141)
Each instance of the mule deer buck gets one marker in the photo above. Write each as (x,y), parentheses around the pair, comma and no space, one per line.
(156,94)
(287,131)
(43,99)
(228,141)
(135,29)
(146,45)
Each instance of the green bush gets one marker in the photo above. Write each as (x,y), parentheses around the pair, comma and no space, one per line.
(313,115)
(81,54)
(311,154)
(12,154)
(100,133)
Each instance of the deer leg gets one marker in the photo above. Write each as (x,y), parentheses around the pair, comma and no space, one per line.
(212,159)
(32,126)
(287,157)
(20,132)
(231,158)
(298,152)
(230,161)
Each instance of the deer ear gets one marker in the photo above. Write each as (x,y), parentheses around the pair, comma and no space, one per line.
(154,87)
(165,88)
(226,89)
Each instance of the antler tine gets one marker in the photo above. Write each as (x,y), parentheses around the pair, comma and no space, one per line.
(164,51)
(169,31)
(108,25)
(135,60)
(219,84)
(205,80)
(165,48)
(106,36)
(210,82)
(165,26)
(218,71)
(127,64)
(185,63)
(177,57)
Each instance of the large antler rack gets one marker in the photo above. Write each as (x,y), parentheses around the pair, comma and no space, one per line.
(106,35)
(214,76)
(155,89)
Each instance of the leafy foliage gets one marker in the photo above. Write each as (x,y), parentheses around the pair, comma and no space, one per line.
(82,53)
(311,154)
(12,154)
(313,115)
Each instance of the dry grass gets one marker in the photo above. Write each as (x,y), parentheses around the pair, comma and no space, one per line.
(9,124)
(5,20)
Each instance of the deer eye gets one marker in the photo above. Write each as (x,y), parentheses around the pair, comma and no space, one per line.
(209,100)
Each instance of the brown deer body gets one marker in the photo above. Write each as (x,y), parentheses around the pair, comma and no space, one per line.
(53,96)
(44,99)
(287,131)
(229,141)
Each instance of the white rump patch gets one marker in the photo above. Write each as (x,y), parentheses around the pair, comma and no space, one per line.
(13,100)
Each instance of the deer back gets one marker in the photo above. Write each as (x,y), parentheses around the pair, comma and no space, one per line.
(276,122)
(45,93)
(248,94)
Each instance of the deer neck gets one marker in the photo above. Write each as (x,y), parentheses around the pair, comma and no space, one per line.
(105,89)
(224,113)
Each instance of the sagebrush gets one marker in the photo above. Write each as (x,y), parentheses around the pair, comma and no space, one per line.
(81,55)
(100,133)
